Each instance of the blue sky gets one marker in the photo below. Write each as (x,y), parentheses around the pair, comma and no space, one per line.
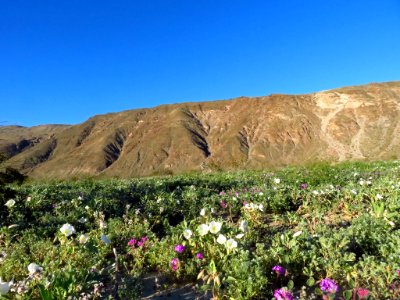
(65,61)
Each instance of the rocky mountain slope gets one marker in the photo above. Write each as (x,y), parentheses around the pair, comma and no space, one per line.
(352,123)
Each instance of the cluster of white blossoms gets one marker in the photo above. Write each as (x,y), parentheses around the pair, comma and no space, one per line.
(213,227)
(230,244)
(67,230)
(5,286)
(254,206)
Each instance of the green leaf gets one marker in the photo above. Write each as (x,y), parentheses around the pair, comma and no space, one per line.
(290,285)
(348,294)
(310,282)
(230,279)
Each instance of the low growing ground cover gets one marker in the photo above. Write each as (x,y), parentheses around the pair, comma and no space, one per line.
(322,232)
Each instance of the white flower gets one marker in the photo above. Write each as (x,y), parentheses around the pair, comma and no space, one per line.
(33,268)
(203,229)
(315,192)
(239,236)
(105,239)
(379,196)
(261,207)
(231,244)
(251,206)
(215,227)
(80,198)
(221,239)
(244,226)
(87,207)
(12,226)
(187,233)
(203,212)
(391,223)
(82,220)
(28,199)
(260,193)
(5,286)
(102,224)
(83,238)
(10,203)
(161,210)
(67,229)
(353,192)
(361,182)
(212,210)
(277,180)
(297,233)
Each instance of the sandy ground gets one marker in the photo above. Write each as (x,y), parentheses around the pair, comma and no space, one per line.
(153,289)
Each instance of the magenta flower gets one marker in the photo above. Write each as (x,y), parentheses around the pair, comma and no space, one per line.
(328,285)
(283,294)
(142,241)
(180,248)
(279,270)
(174,264)
(199,256)
(362,293)
(398,272)
(132,243)
(303,186)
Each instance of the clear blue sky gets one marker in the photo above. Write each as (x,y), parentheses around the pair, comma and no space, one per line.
(64,61)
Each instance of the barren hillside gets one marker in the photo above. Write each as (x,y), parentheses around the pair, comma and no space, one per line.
(349,123)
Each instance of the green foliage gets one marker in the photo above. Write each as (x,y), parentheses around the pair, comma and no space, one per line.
(339,222)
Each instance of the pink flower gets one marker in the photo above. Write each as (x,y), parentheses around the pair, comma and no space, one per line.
(223,204)
(199,256)
(174,264)
(279,270)
(362,293)
(328,285)
(180,248)
(132,243)
(303,186)
(283,294)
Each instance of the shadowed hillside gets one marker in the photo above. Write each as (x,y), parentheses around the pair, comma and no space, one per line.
(352,123)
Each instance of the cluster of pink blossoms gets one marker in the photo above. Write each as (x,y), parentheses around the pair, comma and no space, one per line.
(138,243)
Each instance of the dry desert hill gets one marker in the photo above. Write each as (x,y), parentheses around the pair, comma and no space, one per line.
(351,123)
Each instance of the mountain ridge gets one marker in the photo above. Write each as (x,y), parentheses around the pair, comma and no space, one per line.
(349,123)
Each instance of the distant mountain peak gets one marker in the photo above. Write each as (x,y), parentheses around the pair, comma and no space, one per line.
(350,123)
